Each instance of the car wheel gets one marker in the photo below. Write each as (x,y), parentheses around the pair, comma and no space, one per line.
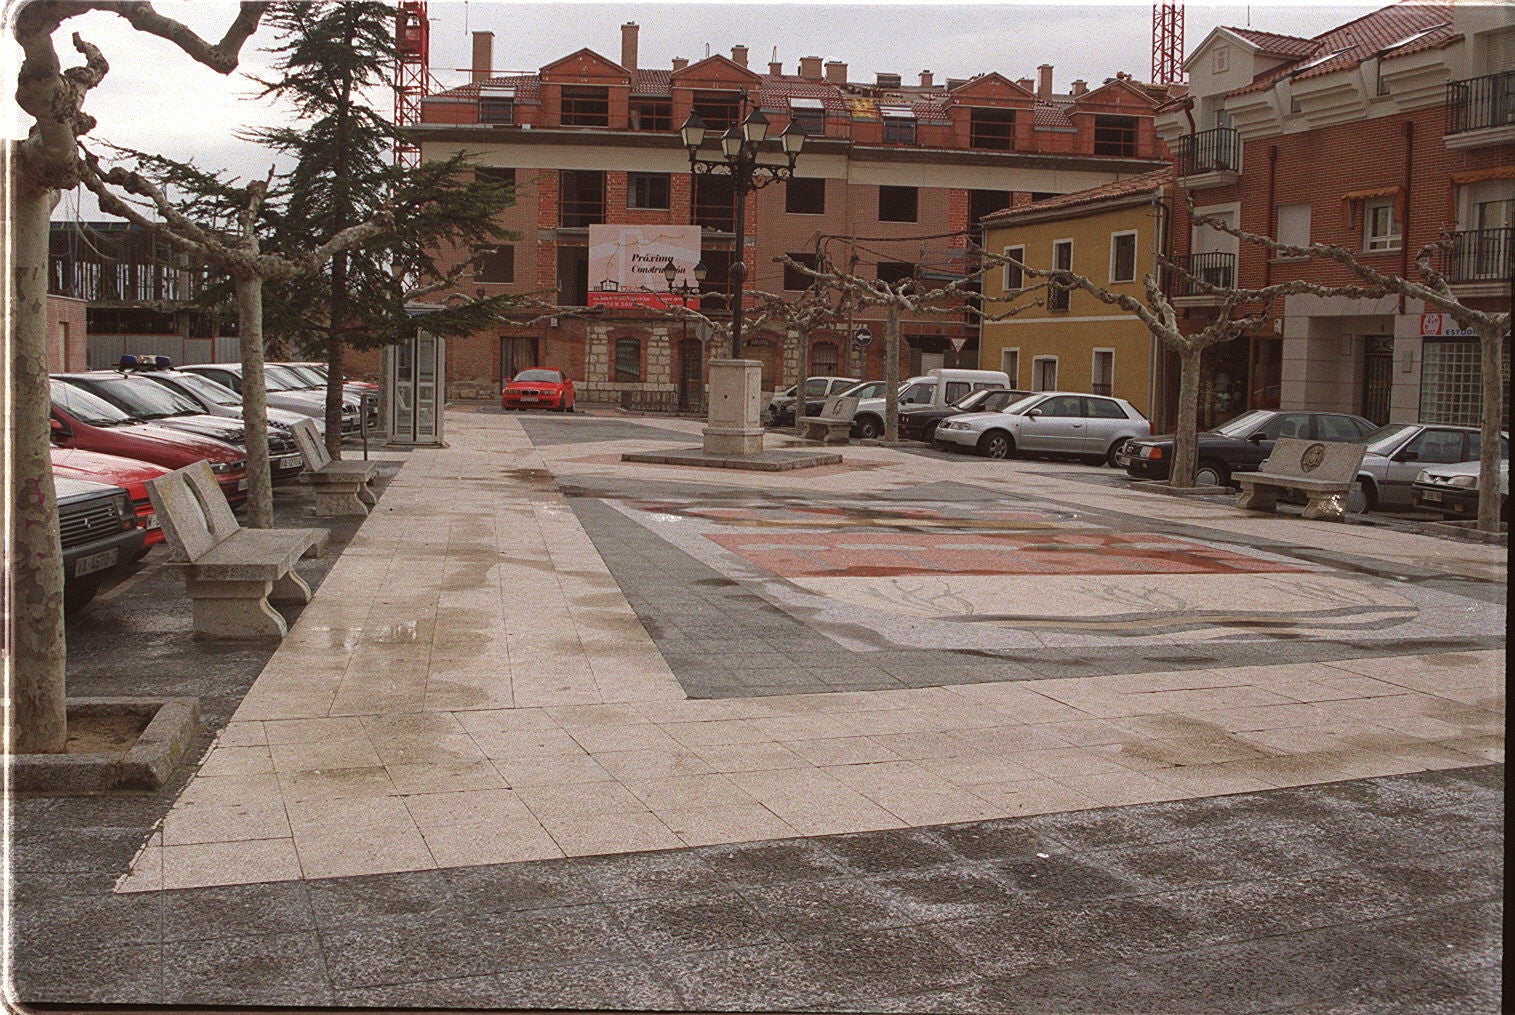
(868,428)
(995,444)
(1112,452)
(770,417)
(1362,498)
(1211,474)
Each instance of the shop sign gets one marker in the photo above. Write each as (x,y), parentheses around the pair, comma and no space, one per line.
(626,265)
(1443,326)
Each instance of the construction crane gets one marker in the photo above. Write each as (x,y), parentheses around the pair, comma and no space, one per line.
(412,79)
(1167,42)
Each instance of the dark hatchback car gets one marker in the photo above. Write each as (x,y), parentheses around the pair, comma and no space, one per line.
(919,422)
(1240,445)
(100,537)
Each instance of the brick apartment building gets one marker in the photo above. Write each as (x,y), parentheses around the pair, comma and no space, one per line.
(891,181)
(1380,135)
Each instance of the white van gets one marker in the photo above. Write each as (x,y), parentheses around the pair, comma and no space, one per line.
(937,388)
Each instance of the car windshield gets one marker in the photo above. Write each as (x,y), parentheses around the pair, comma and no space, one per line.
(279,379)
(85,407)
(141,398)
(865,389)
(203,388)
(973,399)
(1243,424)
(1388,437)
(1019,408)
(306,374)
(548,376)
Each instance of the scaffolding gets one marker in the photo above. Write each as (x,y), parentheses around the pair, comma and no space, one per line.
(412,77)
(1167,42)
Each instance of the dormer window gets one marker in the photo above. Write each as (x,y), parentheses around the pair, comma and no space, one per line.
(586,107)
(1115,135)
(899,124)
(497,104)
(809,115)
(993,129)
(719,110)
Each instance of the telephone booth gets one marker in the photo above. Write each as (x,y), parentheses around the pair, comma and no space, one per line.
(414,389)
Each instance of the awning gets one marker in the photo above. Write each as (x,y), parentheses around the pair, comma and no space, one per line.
(1352,198)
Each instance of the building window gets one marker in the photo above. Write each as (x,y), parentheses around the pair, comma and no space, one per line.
(717,271)
(1044,373)
(647,190)
(573,276)
(1220,60)
(1451,384)
(581,201)
(628,360)
(586,107)
(897,204)
(794,279)
(719,110)
(495,264)
(1102,376)
(1015,278)
(1293,225)
(651,114)
(497,105)
(805,196)
(824,359)
(991,128)
(715,202)
(808,115)
(899,124)
(1060,297)
(986,202)
(1380,226)
(1122,258)
(895,272)
(1010,363)
(1115,135)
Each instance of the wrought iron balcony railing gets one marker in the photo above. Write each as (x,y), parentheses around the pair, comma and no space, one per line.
(1209,151)
(1216,269)
(1480,103)
(1480,255)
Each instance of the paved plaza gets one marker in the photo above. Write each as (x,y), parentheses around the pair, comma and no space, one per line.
(913,732)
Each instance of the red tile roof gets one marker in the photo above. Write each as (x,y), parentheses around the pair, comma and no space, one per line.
(1128,187)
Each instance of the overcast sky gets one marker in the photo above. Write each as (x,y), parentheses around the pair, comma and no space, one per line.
(156,99)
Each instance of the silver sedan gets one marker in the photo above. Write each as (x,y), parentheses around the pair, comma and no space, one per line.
(1089,427)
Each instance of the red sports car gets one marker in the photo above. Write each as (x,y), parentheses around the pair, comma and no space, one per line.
(127,473)
(539,388)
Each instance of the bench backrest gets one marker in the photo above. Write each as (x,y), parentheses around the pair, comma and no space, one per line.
(192,510)
(840,407)
(1332,461)
(312,447)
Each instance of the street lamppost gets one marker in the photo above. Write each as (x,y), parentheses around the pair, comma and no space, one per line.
(740,147)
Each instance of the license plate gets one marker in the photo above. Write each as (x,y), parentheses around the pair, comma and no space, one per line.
(241,484)
(153,523)
(1123,460)
(287,462)
(528,398)
(1431,496)
(94,562)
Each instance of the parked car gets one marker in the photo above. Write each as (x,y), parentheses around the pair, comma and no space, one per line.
(113,470)
(143,400)
(780,408)
(83,420)
(1453,489)
(1241,444)
(919,422)
(281,393)
(1089,427)
(539,388)
(219,400)
(100,537)
(364,393)
(940,388)
(1397,453)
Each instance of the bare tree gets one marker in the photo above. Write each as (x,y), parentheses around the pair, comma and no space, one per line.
(37,169)
(1492,328)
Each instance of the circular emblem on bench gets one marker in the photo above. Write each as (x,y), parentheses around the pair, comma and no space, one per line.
(1313,455)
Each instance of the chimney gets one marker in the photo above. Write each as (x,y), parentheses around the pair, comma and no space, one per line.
(1044,81)
(1079,88)
(739,55)
(887,80)
(925,79)
(680,62)
(483,56)
(776,68)
(1026,83)
(836,72)
(629,46)
(810,68)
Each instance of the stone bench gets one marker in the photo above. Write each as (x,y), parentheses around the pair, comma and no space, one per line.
(230,573)
(341,488)
(1324,471)
(834,424)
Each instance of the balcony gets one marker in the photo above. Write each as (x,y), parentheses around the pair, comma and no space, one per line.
(1216,269)
(1209,158)
(1481,111)
(1479,255)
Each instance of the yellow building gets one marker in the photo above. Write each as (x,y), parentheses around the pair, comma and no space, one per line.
(1110,234)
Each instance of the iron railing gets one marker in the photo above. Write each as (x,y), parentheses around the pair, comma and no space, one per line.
(1209,151)
(1480,103)
(1480,255)
(1216,269)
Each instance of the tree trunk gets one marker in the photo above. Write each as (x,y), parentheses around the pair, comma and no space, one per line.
(38,706)
(891,372)
(334,348)
(1181,471)
(260,491)
(799,383)
(1491,340)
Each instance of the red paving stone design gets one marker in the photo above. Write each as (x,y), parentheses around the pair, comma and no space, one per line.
(887,554)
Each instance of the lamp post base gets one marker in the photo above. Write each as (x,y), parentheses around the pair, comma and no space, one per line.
(735,427)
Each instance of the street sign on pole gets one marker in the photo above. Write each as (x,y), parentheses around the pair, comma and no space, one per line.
(958,342)
(862,338)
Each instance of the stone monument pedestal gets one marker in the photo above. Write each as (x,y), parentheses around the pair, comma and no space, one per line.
(734,426)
